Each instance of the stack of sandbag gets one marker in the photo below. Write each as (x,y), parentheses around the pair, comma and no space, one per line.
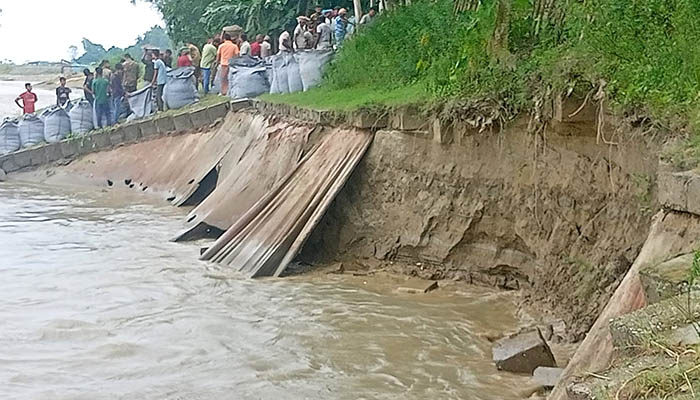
(56,124)
(9,136)
(180,89)
(247,77)
(81,118)
(141,103)
(216,85)
(31,130)
(311,66)
(286,77)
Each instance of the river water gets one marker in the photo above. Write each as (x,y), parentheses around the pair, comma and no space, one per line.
(98,304)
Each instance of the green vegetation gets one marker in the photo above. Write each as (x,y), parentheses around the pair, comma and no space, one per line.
(94,52)
(631,55)
(353,98)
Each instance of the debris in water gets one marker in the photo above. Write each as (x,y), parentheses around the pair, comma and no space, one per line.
(421,289)
(109,182)
(523,352)
(127,182)
(202,250)
(547,376)
(337,268)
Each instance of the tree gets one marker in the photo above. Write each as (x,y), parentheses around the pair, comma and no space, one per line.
(72,52)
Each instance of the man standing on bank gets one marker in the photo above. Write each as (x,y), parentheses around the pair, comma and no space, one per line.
(62,93)
(28,99)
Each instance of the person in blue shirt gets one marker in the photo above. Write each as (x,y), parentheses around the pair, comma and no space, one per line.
(159,77)
(341,26)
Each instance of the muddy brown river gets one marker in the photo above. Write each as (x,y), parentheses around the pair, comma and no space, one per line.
(97,304)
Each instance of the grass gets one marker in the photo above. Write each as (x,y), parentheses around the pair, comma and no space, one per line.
(346,99)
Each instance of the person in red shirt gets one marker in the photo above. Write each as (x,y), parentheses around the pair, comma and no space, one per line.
(28,99)
(184,60)
(255,46)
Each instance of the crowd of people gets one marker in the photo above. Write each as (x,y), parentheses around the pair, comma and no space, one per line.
(107,88)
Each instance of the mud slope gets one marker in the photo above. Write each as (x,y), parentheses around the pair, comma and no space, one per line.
(563,218)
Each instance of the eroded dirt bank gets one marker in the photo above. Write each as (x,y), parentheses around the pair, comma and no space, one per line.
(562,218)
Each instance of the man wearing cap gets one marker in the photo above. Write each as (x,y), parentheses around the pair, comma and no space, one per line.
(300,37)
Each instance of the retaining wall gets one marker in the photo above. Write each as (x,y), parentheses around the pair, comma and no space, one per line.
(111,137)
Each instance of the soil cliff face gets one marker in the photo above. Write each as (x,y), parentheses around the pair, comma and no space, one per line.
(560,216)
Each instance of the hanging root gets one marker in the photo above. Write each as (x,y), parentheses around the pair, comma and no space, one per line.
(600,97)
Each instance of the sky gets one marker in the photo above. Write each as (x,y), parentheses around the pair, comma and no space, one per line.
(33,30)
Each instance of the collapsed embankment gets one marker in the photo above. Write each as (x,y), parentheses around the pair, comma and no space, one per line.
(555,214)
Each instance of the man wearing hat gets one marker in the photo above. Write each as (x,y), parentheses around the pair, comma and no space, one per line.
(301,33)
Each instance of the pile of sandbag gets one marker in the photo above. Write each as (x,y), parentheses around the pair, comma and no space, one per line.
(180,89)
(286,77)
(216,84)
(311,66)
(56,124)
(9,136)
(141,103)
(81,117)
(247,77)
(31,130)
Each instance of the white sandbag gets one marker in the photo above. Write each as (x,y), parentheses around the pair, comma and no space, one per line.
(216,85)
(56,124)
(311,66)
(279,85)
(247,78)
(141,103)
(180,89)
(293,75)
(31,130)
(81,117)
(9,136)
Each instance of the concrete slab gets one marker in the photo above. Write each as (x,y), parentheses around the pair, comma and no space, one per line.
(672,189)
(147,128)
(37,156)
(8,164)
(53,152)
(523,353)
(407,119)
(86,144)
(667,279)
(200,118)
(131,133)
(101,140)
(239,104)
(22,159)
(70,148)
(367,120)
(182,122)
(217,111)
(165,125)
(442,132)
(547,376)
(116,137)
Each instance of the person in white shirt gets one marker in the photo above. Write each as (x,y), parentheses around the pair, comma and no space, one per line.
(266,47)
(368,18)
(285,42)
(244,45)
(300,33)
(325,35)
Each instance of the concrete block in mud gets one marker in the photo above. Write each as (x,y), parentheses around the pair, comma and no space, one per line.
(217,111)
(3,175)
(131,133)
(667,279)
(147,128)
(547,376)
(238,104)
(441,131)
(182,122)
(200,118)
(22,158)
(69,148)
(86,144)
(165,125)
(673,190)
(420,287)
(523,353)
(368,120)
(101,140)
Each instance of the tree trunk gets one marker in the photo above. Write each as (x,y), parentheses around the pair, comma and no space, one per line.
(498,46)
(358,11)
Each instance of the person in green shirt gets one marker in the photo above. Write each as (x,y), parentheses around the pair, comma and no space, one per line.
(100,87)
(208,62)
